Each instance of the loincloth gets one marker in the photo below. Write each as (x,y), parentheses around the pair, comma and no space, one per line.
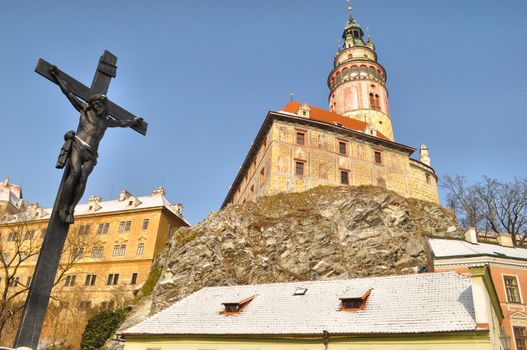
(85,152)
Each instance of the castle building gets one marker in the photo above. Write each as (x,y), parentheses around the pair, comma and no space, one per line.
(109,251)
(301,146)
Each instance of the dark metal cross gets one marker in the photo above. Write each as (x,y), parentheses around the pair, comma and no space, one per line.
(49,257)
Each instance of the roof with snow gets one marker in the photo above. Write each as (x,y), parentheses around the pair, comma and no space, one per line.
(420,303)
(450,248)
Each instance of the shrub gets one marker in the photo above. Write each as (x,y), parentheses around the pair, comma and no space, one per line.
(101,327)
(151,281)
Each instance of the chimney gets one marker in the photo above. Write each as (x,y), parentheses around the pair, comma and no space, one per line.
(471,235)
(424,156)
(94,199)
(124,195)
(160,191)
(505,240)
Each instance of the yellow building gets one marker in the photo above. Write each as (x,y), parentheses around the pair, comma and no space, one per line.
(412,312)
(301,146)
(109,251)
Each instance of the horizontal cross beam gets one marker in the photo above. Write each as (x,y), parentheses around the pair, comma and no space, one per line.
(82,91)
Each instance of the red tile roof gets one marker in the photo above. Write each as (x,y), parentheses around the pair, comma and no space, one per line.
(332,118)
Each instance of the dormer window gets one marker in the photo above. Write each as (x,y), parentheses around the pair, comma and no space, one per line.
(235,307)
(354,299)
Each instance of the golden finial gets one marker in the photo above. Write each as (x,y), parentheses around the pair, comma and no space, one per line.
(349,7)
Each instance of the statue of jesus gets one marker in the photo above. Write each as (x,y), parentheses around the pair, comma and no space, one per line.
(81,146)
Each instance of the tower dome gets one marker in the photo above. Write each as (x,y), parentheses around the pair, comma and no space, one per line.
(357,82)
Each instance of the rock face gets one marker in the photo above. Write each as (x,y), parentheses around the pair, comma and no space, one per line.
(327,232)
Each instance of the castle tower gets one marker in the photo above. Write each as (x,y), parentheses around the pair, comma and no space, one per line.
(357,83)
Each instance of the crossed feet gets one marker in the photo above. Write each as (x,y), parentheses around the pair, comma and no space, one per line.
(66,216)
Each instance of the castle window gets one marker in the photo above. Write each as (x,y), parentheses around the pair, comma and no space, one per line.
(90,280)
(343,147)
(122,250)
(84,229)
(428,178)
(344,177)
(262,176)
(29,281)
(113,279)
(140,249)
(299,168)
(11,236)
(252,191)
(300,138)
(511,289)
(29,235)
(378,157)
(145,224)
(377,103)
(134,278)
(520,337)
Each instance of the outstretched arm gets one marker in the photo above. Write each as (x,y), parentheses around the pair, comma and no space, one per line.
(71,97)
(114,123)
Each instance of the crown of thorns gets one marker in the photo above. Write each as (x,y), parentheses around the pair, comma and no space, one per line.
(97,97)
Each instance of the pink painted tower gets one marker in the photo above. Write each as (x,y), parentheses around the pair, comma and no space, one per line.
(357,83)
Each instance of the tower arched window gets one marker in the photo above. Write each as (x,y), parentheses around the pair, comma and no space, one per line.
(377,103)
(345,73)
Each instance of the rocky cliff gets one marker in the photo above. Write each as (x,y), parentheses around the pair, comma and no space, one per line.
(327,232)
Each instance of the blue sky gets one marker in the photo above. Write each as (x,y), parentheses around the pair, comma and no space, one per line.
(205,73)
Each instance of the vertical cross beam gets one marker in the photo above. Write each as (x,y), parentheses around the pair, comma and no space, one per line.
(48,261)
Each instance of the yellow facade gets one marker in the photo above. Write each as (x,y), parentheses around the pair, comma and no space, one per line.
(119,242)
(271,169)
(460,341)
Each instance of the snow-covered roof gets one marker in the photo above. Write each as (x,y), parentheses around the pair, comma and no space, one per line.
(96,205)
(450,248)
(420,303)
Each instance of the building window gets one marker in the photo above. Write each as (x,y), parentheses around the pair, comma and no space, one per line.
(11,236)
(134,278)
(145,224)
(378,157)
(113,279)
(119,250)
(77,253)
(343,147)
(344,177)
(102,229)
(511,289)
(300,138)
(520,338)
(427,178)
(84,229)
(29,281)
(299,168)
(70,280)
(124,226)
(29,235)
(96,252)
(140,249)
(85,304)
(13,281)
(90,280)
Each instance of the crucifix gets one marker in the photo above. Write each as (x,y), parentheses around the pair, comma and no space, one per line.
(78,157)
